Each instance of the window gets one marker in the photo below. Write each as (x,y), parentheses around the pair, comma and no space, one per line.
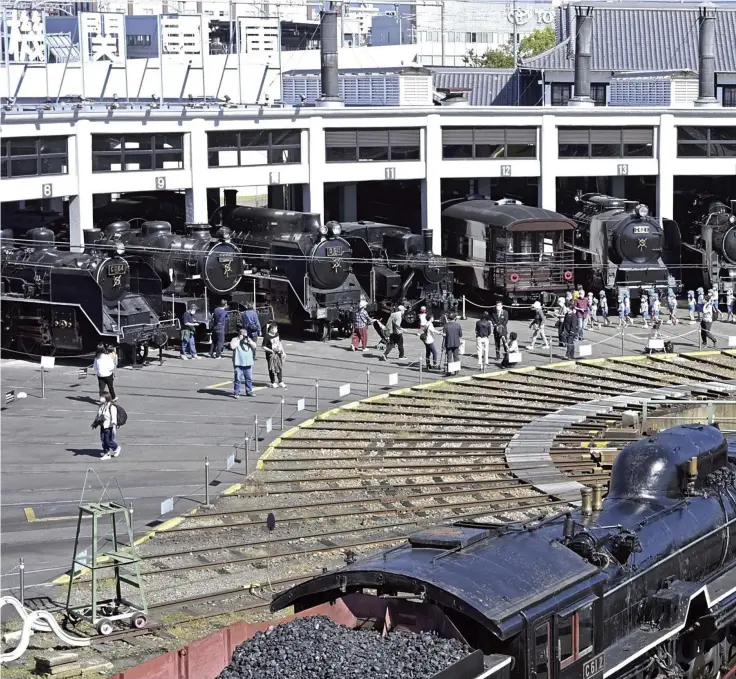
(706,142)
(349,146)
(606,142)
(598,94)
(575,635)
(30,156)
(118,153)
(561,93)
(541,650)
(139,41)
(729,95)
(249,148)
(489,142)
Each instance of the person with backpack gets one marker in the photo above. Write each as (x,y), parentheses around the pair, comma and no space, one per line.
(109,418)
(395,333)
(252,324)
(275,355)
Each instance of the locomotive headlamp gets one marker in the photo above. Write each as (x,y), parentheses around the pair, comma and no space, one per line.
(642,210)
(323,229)
(336,229)
(120,248)
(732,219)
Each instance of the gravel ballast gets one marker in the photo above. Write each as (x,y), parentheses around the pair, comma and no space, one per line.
(317,648)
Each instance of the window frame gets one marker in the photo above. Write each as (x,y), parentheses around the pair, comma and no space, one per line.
(8,158)
(474,144)
(270,148)
(598,87)
(728,96)
(126,155)
(707,142)
(560,87)
(395,150)
(576,652)
(622,143)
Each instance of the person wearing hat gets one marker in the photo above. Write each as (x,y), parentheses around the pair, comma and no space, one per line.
(395,332)
(361,319)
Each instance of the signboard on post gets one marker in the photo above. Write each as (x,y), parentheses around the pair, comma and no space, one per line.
(181,36)
(344,390)
(585,350)
(301,404)
(47,362)
(269,425)
(656,344)
(230,462)
(732,341)
(82,374)
(9,397)
(393,378)
(454,367)
(24,36)
(167,506)
(102,37)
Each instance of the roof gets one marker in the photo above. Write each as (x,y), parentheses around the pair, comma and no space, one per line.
(644,39)
(485,86)
(512,217)
(483,580)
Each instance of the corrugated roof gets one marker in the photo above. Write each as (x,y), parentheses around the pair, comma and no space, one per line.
(486,86)
(645,39)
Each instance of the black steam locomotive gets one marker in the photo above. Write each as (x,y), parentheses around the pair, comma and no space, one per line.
(194,269)
(64,303)
(396,265)
(636,586)
(300,267)
(621,248)
(712,254)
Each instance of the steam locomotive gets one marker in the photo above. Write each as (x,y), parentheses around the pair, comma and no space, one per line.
(301,268)
(395,265)
(713,249)
(194,269)
(64,303)
(636,586)
(620,247)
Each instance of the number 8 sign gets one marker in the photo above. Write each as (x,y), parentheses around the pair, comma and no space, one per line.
(160,183)
(46,191)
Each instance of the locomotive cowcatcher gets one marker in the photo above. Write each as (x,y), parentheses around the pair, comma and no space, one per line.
(637,586)
(508,251)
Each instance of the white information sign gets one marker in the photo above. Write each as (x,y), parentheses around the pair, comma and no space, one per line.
(454,367)
(301,404)
(181,35)
(732,340)
(25,33)
(47,362)
(393,378)
(167,506)
(585,350)
(102,37)
(344,390)
(269,425)
(230,462)
(656,344)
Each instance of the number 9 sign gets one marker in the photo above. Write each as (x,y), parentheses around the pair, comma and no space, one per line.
(160,183)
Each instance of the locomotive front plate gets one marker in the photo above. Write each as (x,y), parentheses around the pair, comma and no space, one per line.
(334,252)
(641,229)
(593,667)
(115,269)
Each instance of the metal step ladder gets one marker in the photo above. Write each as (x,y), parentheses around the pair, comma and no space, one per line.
(122,558)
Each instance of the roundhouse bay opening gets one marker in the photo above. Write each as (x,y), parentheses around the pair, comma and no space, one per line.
(391,202)
(525,189)
(504,250)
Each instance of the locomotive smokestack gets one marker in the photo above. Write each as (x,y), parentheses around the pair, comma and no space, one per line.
(231,197)
(583,49)
(427,236)
(707,58)
(330,75)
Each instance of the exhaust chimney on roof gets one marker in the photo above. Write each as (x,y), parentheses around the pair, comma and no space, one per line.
(330,74)
(707,58)
(583,49)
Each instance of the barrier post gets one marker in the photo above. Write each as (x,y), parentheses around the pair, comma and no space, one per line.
(700,341)
(623,333)
(207,481)
(282,414)
(644,413)
(316,396)
(421,374)
(43,383)
(367,382)
(22,577)
(550,351)
(464,316)
(255,433)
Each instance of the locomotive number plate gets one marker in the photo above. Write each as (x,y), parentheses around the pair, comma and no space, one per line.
(334,252)
(225,258)
(115,269)
(641,229)
(593,667)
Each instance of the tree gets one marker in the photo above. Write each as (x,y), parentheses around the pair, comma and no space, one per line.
(536,42)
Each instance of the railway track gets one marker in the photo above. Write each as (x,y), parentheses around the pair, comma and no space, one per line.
(364,477)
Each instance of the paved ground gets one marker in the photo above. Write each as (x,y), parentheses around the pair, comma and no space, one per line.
(180,413)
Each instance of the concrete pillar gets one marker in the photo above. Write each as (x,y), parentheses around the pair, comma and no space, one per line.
(667,154)
(618,187)
(483,186)
(196,197)
(81,205)
(349,203)
(432,185)
(548,156)
(314,192)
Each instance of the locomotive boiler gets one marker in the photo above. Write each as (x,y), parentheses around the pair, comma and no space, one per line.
(621,248)
(714,244)
(396,265)
(300,267)
(64,303)
(638,585)
(194,269)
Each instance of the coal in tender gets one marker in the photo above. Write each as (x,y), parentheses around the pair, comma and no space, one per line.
(317,648)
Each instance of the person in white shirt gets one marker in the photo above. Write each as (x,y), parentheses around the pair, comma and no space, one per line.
(107,420)
(105,370)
